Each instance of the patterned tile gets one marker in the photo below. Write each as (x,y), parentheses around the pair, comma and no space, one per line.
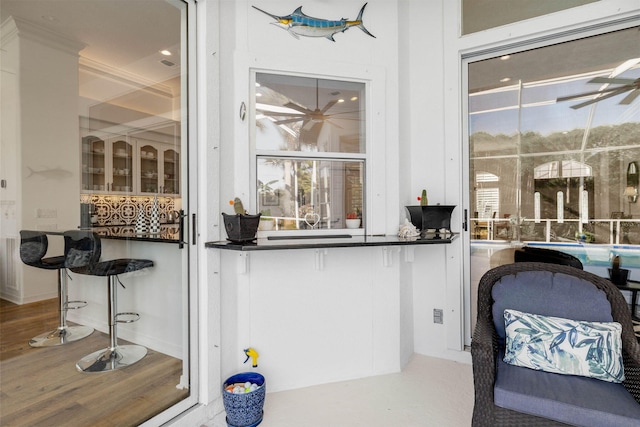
(123,210)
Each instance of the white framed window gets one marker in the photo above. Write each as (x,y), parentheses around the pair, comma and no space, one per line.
(569,169)
(310,152)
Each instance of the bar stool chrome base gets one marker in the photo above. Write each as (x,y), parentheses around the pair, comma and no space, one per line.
(111,359)
(61,336)
(64,334)
(115,356)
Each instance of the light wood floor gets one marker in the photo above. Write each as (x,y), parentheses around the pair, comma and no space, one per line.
(41,386)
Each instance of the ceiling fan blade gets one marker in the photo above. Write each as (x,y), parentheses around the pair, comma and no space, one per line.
(594,92)
(329,105)
(345,119)
(293,120)
(599,98)
(612,80)
(630,97)
(309,124)
(343,112)
(333,124)
(276,114)
(298,108)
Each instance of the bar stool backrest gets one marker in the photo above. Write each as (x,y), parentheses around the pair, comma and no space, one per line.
(82,249)
(33,246)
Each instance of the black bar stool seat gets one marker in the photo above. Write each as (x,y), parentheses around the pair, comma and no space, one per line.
(33,247)
(82,252)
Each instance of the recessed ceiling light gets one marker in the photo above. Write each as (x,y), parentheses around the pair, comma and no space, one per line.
(505,57)
(258,94)
(340,100)
(354,98)
(165,52)
(505,79)
(258,84)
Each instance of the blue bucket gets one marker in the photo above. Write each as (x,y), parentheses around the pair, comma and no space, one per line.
(246,409)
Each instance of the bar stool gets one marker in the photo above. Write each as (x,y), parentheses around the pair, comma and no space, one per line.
(33,247)
(82,255)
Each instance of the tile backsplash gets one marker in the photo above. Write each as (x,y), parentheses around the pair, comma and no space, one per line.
(123,210)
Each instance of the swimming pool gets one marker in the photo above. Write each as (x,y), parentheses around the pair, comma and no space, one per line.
(591,255)
(598,255)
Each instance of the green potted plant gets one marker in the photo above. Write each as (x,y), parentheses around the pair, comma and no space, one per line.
(618,276)
(435,217)
(240,227)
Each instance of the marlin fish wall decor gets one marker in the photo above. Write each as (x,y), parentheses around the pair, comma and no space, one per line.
(299,24)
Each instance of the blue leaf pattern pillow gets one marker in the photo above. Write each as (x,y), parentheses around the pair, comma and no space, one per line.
(564,346)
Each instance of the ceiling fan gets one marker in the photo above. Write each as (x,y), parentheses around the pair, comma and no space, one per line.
(627,85)
(312,120)
(607,91)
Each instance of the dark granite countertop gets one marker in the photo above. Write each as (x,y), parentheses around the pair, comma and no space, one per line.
(343,241)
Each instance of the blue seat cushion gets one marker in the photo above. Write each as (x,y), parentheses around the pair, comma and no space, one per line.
(565,398)
(548,294)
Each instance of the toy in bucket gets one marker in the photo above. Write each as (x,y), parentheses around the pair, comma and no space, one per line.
(243,395)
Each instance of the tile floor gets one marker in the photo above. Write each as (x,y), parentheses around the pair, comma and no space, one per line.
(428,392)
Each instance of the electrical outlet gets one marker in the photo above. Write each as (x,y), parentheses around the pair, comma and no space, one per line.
(437,316)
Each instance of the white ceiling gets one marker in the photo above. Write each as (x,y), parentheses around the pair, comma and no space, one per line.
(603,52)
(124,35)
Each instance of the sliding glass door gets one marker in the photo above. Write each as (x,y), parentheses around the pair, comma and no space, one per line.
(553,140)
(94,138)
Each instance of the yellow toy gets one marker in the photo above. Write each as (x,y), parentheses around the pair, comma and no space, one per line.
(253,354)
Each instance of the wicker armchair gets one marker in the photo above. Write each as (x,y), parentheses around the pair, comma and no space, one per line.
(551,256)
(486,344)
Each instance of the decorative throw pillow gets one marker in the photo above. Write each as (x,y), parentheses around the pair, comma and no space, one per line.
(564,346)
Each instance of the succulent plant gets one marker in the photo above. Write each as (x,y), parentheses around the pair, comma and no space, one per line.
(615,263)
(238,207)
(423,198)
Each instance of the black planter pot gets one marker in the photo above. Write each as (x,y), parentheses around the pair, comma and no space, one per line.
(619,277)
(431,217)
(241,228)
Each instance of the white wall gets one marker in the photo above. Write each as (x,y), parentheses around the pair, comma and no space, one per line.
(45,131)
(253,43)
(314,316)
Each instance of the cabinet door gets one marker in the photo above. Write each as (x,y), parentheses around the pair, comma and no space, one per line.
(149,168)
(94,164)
(122,167)
(158,160)
(170,171)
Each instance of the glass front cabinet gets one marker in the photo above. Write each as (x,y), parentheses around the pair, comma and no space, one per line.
(159,166)
(107,165)
(159,160)
(141,163)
